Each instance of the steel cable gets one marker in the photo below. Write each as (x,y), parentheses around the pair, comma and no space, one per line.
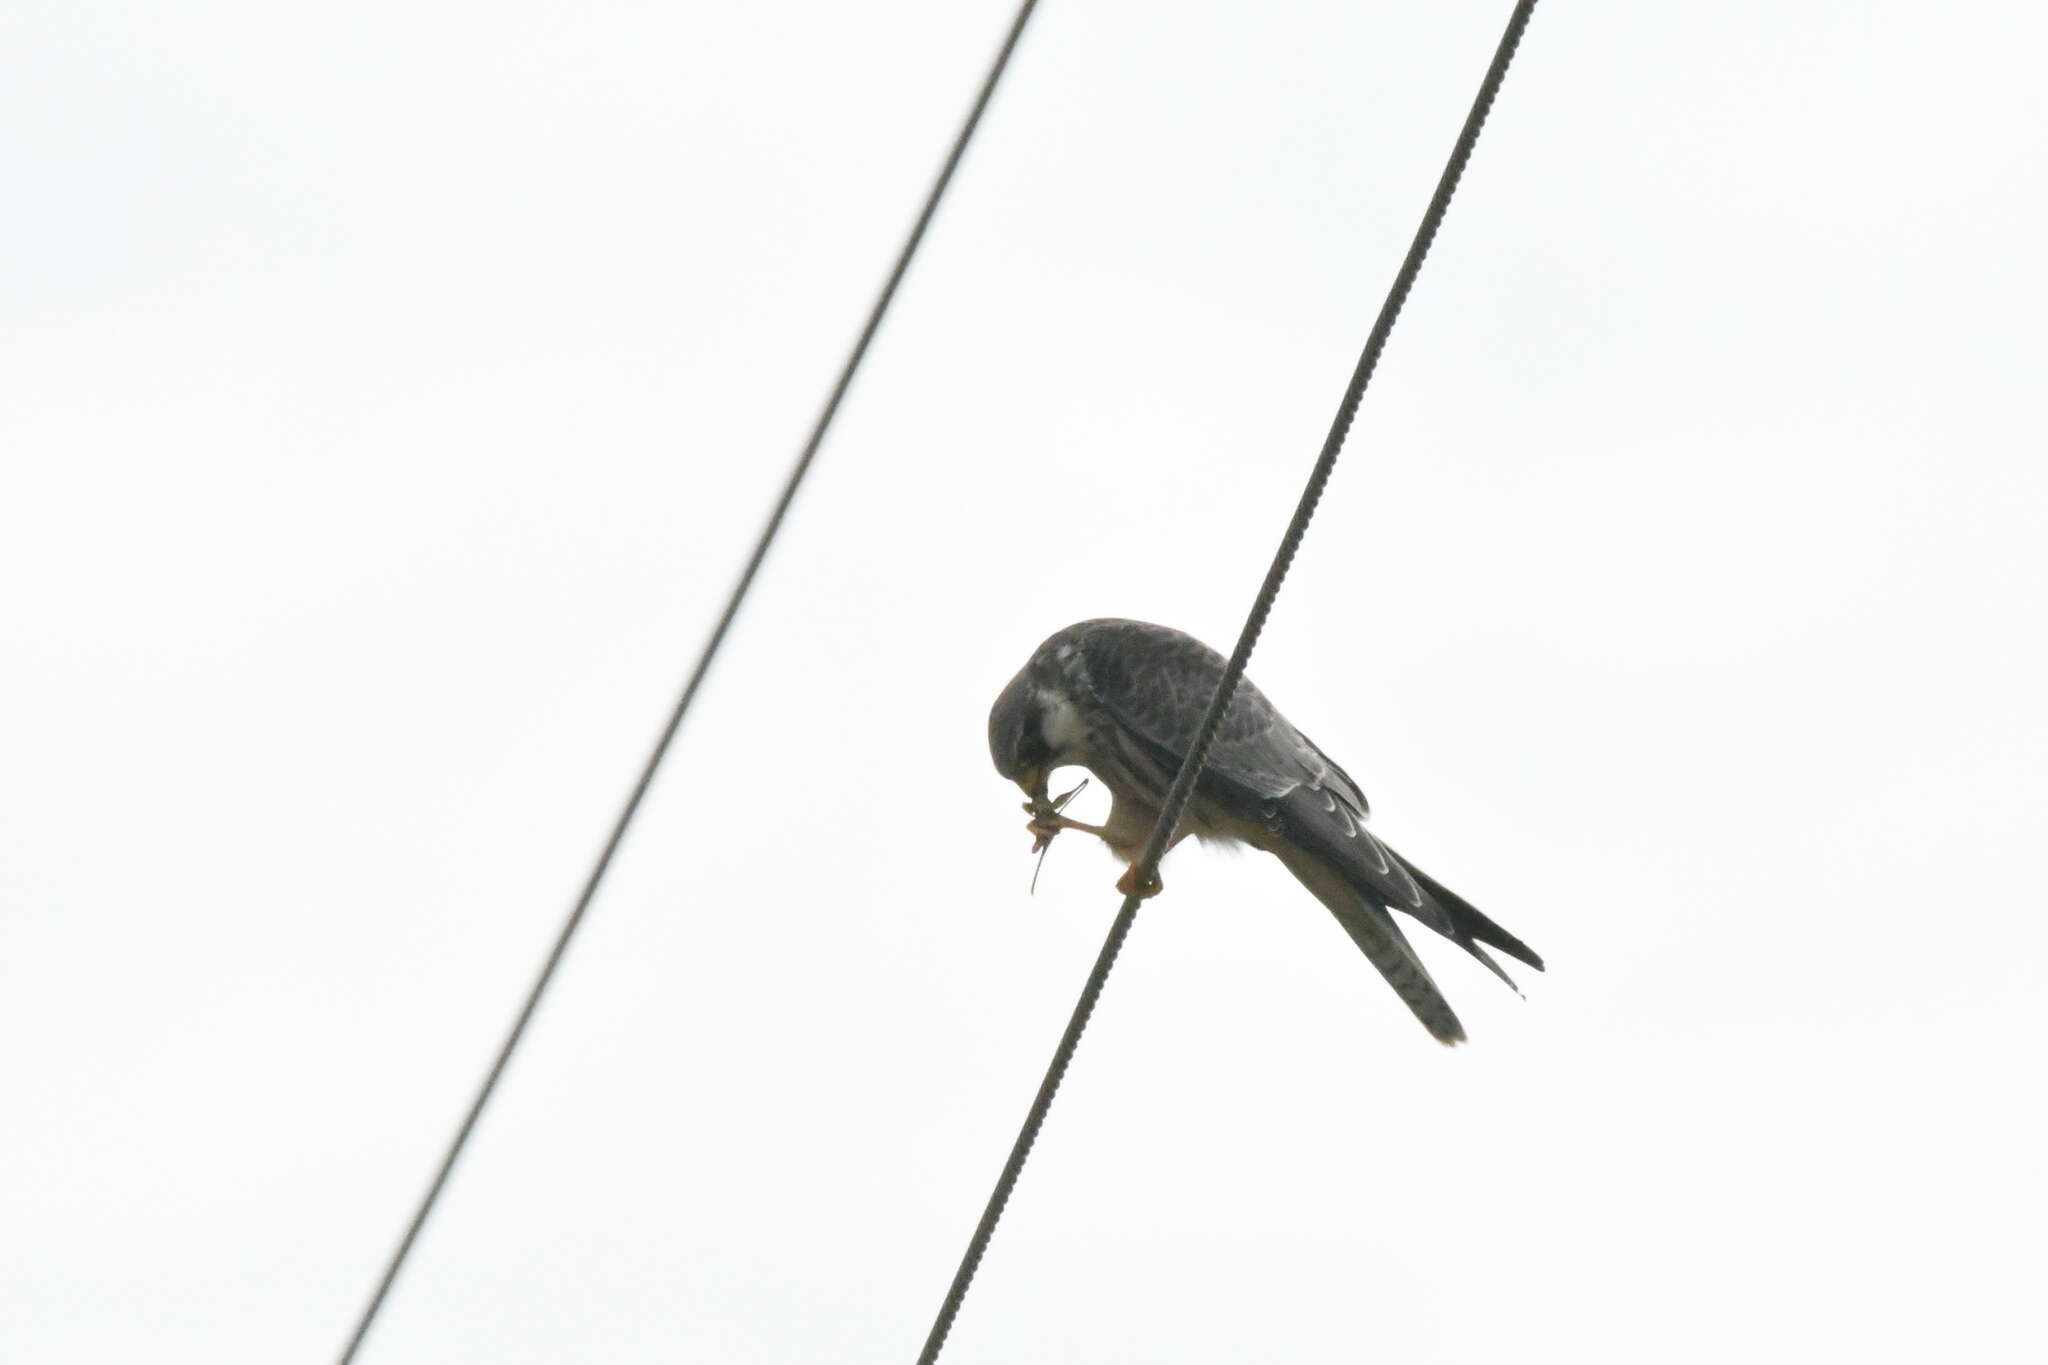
(1147,867)
(690,688)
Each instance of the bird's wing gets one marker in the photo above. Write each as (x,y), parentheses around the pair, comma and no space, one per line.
(1156,683)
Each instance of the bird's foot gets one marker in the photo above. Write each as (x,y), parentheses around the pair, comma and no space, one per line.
(1130,886)
(1044,824)
(1047,821)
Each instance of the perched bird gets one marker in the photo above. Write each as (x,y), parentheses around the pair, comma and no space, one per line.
(1124,699)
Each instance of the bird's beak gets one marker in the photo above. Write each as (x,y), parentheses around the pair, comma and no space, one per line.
(1032,780)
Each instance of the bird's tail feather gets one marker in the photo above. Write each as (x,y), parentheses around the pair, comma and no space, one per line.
(1382,942)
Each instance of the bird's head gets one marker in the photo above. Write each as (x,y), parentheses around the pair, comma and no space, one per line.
(1016,736)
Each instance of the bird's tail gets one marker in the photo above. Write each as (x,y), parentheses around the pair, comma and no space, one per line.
(1381,940)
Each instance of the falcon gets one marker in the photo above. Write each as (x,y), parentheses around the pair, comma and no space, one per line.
(1124,699)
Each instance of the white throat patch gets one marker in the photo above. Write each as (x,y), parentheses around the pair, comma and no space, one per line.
(1063,729)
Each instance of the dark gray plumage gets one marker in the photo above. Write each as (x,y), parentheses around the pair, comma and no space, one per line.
(1123,699)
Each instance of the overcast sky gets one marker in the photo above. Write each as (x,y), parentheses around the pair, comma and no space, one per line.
(388,394)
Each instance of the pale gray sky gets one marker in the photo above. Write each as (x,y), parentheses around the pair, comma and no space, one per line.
(390,392)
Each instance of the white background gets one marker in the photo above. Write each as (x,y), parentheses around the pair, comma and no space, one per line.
(388,393)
